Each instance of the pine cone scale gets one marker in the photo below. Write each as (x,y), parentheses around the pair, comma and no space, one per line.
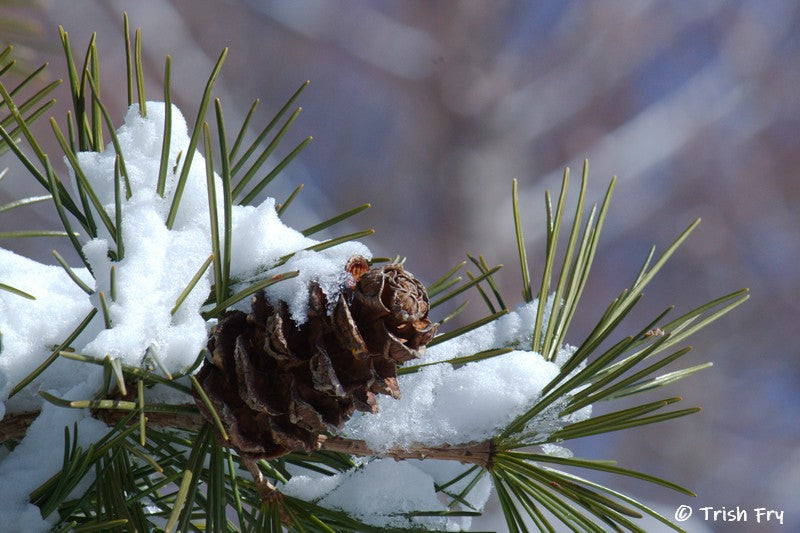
(324,376)
(346,330)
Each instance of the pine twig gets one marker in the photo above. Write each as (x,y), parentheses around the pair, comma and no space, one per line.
(478,453)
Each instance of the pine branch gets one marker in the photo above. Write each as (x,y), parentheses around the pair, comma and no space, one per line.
(13,427)
(477,453)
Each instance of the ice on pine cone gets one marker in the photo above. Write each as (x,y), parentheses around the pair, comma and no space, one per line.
(277,386)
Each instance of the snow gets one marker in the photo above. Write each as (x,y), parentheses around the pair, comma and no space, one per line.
(380,493)
(31,328)
(261,239)
(440,404)
(37,457)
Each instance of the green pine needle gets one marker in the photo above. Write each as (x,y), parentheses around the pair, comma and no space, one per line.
(659,381)
(83,182)
(25,201)
(53,355)
(219,282)
(97,120)
(194,140)
(104,308)
(152,353)
(435,287)
(114,140)
(116,369)
(189,487)
(118,208)
(142,417)
(456,361)
(210,406)
(89,404)
(227,200)
(483,267)
(131,372)
(265,132)
(527,292)
(27,234)
(281,208)
(137,51)
(554,229)
(265,153)
(452,282)
(324,245)
(252,289)
(604,466)
(334,220)
(242,131)
(550,343)
(128,55)
(274,172)
(18,292)
(59,205)
(473,282)
(165,141)
(458,310)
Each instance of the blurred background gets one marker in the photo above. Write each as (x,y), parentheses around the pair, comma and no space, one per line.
(428,110)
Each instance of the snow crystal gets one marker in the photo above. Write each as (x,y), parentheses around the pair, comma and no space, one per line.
(157,266)
(379,491)
(557,451)
(311,486)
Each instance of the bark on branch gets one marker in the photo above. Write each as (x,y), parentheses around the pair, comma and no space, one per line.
(478,453)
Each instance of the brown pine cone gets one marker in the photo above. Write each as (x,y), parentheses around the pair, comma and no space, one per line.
(278,386)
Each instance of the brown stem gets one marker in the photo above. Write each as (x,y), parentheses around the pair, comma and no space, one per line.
(265,489)
(477,453)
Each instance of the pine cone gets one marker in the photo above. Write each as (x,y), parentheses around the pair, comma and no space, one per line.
(277,386)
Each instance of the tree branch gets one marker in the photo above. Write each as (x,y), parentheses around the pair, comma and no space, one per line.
(479,453)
